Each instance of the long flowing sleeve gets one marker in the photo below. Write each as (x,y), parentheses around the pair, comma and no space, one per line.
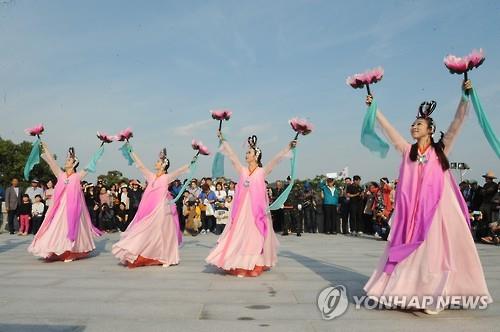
(268,168)
(49,159)
(391,133)
(228,150)
(456,125)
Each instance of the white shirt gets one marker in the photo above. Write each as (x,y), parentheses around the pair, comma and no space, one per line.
(221,195)
(124,199)
(32,192)
(332,190)
(37,209)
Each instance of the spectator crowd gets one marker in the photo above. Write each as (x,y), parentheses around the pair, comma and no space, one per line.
(332,206)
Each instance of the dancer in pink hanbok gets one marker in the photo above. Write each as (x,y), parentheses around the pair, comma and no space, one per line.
(430,251)
(248,245)
(66,232)
(153,237)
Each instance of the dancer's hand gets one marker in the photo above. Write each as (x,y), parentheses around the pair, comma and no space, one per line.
(292,144)
(467,85)
(45,147)
(219,135)
(368,100)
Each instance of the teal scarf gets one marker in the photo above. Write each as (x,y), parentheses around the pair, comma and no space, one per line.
(278,203)
(484,123)
(369,137)
(33,159)
(126,150)
(91,166)
(218,164)
(192,170)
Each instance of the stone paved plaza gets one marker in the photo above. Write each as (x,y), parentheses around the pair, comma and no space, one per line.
(97,294)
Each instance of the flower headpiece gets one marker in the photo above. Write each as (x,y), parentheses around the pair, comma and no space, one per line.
(424,112)
(72,155)
(252,142)
(165,163)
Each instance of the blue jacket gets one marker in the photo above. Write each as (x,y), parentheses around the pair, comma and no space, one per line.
(328,197)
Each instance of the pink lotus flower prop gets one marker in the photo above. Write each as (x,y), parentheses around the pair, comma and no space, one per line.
(358,81)
(456,65)
(476,58)
(300,126)
(105,138)
(202,149)
(125,135)
(36,130)
(221,115)
(461,65)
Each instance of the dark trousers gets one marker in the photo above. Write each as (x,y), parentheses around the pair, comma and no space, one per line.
(293,221)
(219,228)
(131,213)
(11,218)
(278,220)
(330,219)
(93,217)
(486,210)
(355,216)
(207,222)
(344,216)
(35,224)
(310,219)
(122,225)
(182,218)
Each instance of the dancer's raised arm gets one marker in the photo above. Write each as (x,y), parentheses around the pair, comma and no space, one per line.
(182,170)
(83,173)
(392,134)
(140,165)
(49,159)
(268,168)
(457,123)
(228,150)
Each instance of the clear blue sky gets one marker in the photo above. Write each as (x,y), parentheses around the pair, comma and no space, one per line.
(159,66)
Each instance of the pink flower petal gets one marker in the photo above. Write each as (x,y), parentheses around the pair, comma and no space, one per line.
(36,130)
(475,58)
(358,81)
(456,65)
(198,145)
(221,114)
(301,126)
(125,134)
(105,138)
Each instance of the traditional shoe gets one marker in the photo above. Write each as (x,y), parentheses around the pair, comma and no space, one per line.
(257,271)
(237,272)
